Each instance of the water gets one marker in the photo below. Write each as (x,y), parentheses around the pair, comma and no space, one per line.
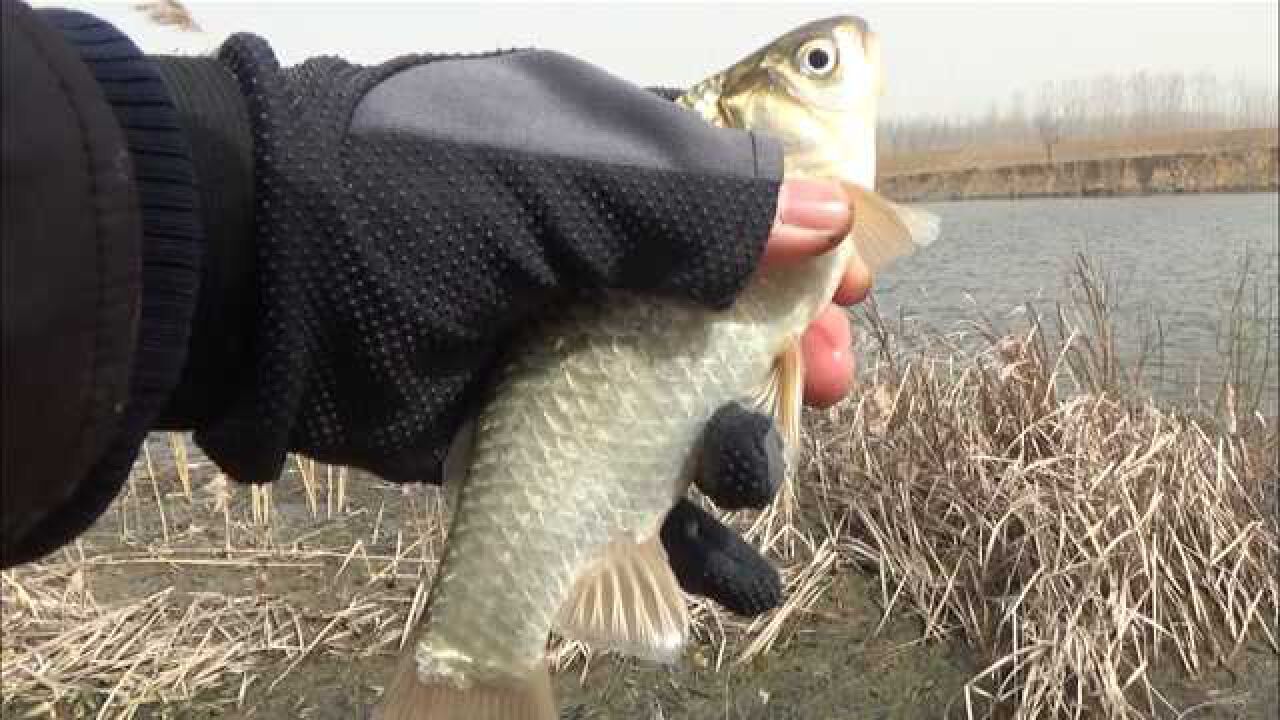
(1175,258)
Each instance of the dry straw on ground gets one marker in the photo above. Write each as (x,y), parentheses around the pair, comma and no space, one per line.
(1024,497)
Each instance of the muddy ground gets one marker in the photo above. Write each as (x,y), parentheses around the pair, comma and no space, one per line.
(831,664)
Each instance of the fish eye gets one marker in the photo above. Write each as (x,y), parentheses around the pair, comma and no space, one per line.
(817,57)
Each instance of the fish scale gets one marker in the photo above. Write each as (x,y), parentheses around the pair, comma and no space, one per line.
(532,452)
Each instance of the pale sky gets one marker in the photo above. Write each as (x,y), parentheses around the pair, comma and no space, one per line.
(943,59)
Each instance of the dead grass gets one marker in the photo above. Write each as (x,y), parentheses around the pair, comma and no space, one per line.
(1074,533)
(989,156)
(1026,498)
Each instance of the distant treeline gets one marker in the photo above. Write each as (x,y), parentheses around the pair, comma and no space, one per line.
(1106,106)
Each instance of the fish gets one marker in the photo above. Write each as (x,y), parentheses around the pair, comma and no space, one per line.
(589,437)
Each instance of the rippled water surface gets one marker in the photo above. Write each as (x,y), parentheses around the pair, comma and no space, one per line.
(1172,258)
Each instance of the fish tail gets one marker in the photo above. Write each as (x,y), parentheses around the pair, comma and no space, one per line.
(410,698)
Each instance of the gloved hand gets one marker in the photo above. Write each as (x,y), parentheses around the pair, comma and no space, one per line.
(405,225)
(410,216)
(740,466)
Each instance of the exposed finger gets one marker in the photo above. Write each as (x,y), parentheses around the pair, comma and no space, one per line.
(828,358)
(789,244)
(854,286)
(813,216)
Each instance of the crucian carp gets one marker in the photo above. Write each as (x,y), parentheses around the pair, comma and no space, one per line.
(587,439)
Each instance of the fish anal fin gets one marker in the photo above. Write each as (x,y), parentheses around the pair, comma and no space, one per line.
(629,602)
(884,231)
(410,698)
(782,397)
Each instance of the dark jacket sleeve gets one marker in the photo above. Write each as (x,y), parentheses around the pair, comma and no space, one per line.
(101,255)
(71,248)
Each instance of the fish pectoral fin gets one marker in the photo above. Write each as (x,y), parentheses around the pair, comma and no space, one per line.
(629,602)
(884,231)
(410,697)
(782,396)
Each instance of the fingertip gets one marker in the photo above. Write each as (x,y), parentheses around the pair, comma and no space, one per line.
(810,190)
(855,285)
(813,217)
(789,244)
(828,358)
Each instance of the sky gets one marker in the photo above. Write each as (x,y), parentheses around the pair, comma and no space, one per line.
(949,59)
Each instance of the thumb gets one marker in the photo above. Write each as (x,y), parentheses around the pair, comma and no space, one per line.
(812,217)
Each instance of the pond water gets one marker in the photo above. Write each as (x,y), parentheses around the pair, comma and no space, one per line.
(1175,259)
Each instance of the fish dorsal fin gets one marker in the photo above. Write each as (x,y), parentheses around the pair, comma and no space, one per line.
(884,231)
(629,602)
(783,395)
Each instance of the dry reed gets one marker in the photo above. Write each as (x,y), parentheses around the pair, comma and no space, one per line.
(1074,532)
(1026,498)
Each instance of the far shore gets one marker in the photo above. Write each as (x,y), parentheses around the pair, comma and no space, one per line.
(1210,162)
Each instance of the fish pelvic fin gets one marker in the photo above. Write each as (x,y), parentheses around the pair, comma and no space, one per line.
(884,231)
(409,697)
(782,397)
(628,602)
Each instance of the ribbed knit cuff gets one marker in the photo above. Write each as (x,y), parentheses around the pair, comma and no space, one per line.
(213,114)
(172,245)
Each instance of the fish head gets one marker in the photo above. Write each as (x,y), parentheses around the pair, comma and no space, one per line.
(816,90)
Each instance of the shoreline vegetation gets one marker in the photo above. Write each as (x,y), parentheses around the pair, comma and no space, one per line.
(1112,134)
(1216,161)
(1000,525)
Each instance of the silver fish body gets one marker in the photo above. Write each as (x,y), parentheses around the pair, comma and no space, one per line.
(586,444)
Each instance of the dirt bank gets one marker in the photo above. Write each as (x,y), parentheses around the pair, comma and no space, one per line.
(1228,170)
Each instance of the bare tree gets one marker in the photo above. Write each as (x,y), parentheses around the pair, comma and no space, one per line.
(1107,103)
(1170,100)
(1206,100)
(1048,120)
(1048,127)
(1073,107)
(1107,106)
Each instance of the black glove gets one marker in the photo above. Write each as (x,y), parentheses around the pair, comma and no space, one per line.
(447,226)
(396,254)
(410,216)
(740,466)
